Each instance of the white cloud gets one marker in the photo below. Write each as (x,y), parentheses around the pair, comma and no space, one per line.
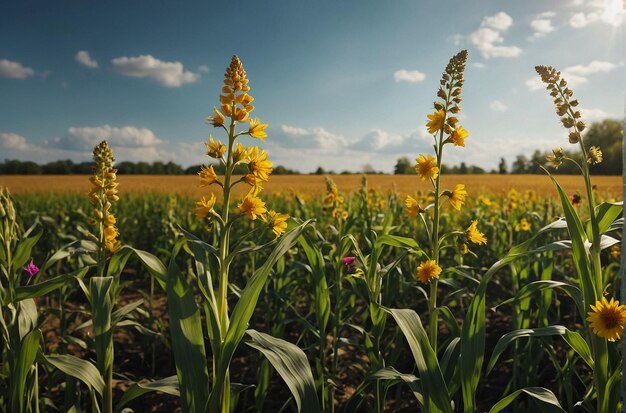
(594,115)
(203,68)
(293,131)
(14,70)
(595,66)
(541,27)
(168,74)
(85,59)
(410,76)
(377,140)
(478,65)
(498,106)
(546,15)
(534,83)
(499,21)
(610,12)
(10,140)
(312,138)
(488,38)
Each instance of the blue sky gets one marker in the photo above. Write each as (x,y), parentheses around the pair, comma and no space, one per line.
(342,84)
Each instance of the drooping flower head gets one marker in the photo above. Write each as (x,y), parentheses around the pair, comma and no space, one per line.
(204,206)
(207,175)
(458,136)
(427,271)
(412,206)
(457,196)
(277,222)
(474,235)
(607,319)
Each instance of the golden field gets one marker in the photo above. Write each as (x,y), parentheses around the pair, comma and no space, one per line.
(609,186)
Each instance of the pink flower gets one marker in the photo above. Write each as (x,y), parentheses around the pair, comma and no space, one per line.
(31,269)
(348,261)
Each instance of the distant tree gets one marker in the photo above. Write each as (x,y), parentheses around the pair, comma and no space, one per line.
(58,167)
(83,168)
(368,169)
(463,169)
(319,171)
(520,165)
(403,167)
(608,136)
(502,168)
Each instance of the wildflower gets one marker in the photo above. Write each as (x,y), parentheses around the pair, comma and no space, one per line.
(616,251)
(332,194)
(31,269)
(436,121)
(258,164)
(215,149)
(218,119)
(484,200)
(349,267)
(204,206)
(207,176)
(556,158)
(103,194)
(594,156)
(523,225)
(277,222)
(240,153)
(426,167)
(257,129)
(427,271)
(252,207)
(458,136)
(412,207)
(474,235)
(607,319)
(457,196)
(576,199)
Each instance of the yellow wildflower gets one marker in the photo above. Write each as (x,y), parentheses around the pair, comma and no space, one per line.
(436,120)
(257,129)
(258,164)
(204,206)
(207,176)
(427,271)
(252,207)
(523,225)
(616,251)
(457,196)
(474,235)
(458,136)
(215,149)
(218,119)
(412,206)
(277,222)
(240,153)
(607,319)
(426,167)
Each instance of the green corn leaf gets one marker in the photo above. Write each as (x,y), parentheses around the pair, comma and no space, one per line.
(168,385)
(118,315)
(292,365)
(187,339)
(26,316)
(151,263)
(46,287)
(23,252)
(541,286)
(75,367)
(101,309)
(546,400)
(434,388)
(574,339)
(606,214)
(389,373)
(396,241)
(318,269)
(28,349)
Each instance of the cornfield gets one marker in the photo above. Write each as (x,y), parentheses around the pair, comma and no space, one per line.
(255,293)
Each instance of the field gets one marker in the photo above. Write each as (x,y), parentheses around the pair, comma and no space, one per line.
(230,293)
(609,186)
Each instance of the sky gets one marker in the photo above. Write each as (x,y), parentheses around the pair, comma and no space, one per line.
(343,85)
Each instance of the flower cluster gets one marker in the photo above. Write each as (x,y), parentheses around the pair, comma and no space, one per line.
(334,201)
(103,195)
(235,108)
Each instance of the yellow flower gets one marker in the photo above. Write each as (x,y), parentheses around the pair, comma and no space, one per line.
(218,119)
(258,164)
(412,207)
(215,149)
(474,235)
(457,196)
(523,225)
(240,153)
(427,271)
(436,121)
(207,176)
(607,319)
(426,167)
(204,206)
(458,136)
(110,232)
(112,244)
(109,220)
(252,207)
(616,251)
(257,129)
(276,221)
(484,200)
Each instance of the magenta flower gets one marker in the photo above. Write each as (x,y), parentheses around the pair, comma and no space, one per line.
(348,261)
(31,269)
